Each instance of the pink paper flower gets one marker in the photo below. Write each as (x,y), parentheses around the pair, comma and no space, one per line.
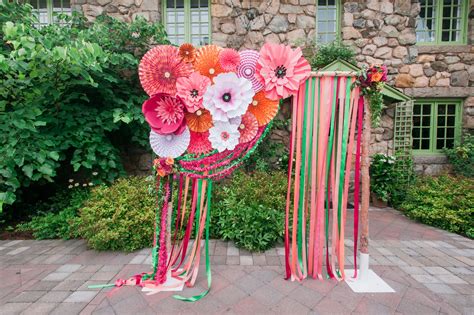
(229,59)
(282,70)
(224,136)
(191,90)
(229,97)
(247,68)
(164,114)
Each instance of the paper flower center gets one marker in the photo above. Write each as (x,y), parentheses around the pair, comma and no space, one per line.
(194,93)
(254,102)
(225,135)
(226,97)
(169,137)
(167,74)
(280,72)
(248,71)
(212,71)
(199,113)
(242,126)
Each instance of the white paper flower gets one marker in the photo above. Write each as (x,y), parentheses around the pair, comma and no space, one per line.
(228,97)
(224,136)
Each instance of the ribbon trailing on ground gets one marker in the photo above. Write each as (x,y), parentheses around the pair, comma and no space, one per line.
(325,113)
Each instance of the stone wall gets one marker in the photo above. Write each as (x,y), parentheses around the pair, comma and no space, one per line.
(381,31)
(125,10)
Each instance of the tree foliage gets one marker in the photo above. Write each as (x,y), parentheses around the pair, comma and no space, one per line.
(69,96)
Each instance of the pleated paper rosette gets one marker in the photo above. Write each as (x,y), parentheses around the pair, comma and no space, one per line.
(199,121)
(200,143)
(170,145)
(263,109)
(247,68)
(248,128)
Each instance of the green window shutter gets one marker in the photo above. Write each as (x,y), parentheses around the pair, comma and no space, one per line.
(328,20)
(436,125)
(187,21)
(442,22)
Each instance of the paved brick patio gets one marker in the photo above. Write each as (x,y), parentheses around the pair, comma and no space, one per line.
(431,270)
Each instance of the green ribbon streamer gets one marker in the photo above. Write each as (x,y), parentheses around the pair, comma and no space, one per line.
(208,261)
(345,134)
(329,153)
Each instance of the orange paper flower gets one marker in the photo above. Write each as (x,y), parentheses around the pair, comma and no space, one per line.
(263,108)
(376,77)
(207,61)
(169,161)
(199,121)
(187,52)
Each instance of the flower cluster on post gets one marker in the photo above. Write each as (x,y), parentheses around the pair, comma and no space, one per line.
(371,82)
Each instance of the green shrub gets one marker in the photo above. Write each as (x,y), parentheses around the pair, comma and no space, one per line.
(120,216)
(446,202)
(57,217)
(390,177)
(249,209)
(69,96)
(322,55)
(461,156)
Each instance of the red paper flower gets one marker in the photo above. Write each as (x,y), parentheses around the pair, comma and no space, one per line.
(159,69)
(164,114)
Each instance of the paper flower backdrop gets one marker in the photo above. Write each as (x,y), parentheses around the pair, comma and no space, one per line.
(209,107)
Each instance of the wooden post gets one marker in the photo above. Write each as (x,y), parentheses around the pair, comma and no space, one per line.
(364,169)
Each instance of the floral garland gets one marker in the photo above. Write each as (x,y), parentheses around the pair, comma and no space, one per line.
(371,82)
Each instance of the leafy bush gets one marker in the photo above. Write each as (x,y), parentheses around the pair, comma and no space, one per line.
(390,177)
(461,156)
(446,202)
(249,209)
(321,56)
(120,216)
(69,97)
(58,217)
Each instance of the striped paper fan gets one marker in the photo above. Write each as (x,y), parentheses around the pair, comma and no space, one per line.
(159,69)
(263,108)
(248,128)
(200,143)
(207,61)
(170,145)
(247,67)
(199,121)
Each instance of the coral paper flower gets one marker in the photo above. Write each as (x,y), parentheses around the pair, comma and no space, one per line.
(282,70)
(199,121)
(164,114)
(187,52)
(229,59)
(248,128)
(229,97)
(224,136)
(191,90)
(247,68)
(263,109)
(159,69)
(207,61)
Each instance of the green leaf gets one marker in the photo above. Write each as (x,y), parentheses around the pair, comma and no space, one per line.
(54,155)
(28,170)
(46,169)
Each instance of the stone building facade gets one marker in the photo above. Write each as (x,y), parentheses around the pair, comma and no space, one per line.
(380,31)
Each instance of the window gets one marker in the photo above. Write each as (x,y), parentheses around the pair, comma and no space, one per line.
(187,21)
(442,21)
(47,10)
(327,20)
(436,125)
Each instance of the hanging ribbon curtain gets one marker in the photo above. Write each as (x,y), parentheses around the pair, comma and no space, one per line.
(326,112)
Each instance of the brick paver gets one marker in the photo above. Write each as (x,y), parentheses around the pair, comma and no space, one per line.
(431,271)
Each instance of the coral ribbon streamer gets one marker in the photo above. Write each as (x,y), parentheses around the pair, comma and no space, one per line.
(324,122)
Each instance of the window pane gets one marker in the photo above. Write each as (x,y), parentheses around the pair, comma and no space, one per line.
(452,18)
(425,24)
(326,17)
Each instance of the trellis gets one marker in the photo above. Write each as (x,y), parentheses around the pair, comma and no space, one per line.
(402,140)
